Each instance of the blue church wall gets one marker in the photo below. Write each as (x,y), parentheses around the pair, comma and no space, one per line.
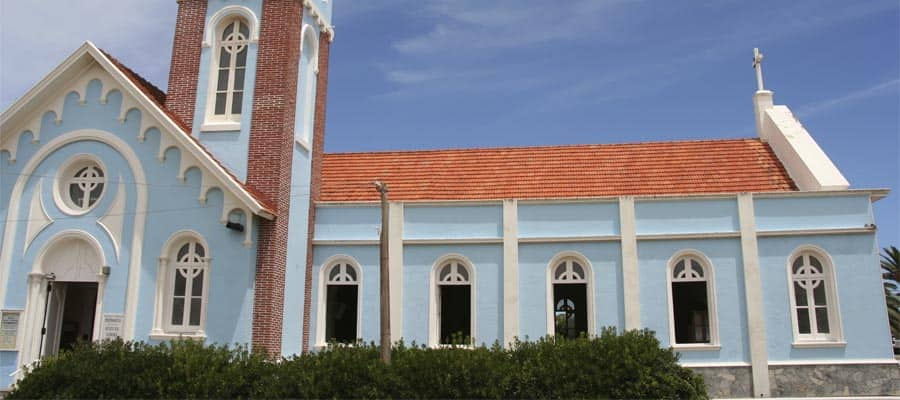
(727,265)
(686,216)
(452,222)
(860,295)
(368,259)
(418,264)
(568,220)
(534,260)
(230,147)
(348,223)
(835,211)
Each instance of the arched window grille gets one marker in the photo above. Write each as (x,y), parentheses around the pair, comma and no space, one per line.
(570,298)
(692,299)
(342,302)
(231,65)
(454,302)
(813,297)
(188,287)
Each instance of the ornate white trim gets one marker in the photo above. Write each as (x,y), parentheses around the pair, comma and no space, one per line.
(710,279)
(317,15)
(114,220)
(321,296)
(162,304)
(588,279)
(37,216)
(64,175)
(212,26)
(434,327)
(835,337)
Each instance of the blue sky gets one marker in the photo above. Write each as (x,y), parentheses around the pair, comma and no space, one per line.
(413,74)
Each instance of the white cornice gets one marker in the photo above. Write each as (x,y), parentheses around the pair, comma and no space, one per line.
(316,14)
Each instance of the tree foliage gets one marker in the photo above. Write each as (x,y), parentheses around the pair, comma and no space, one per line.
(890,272)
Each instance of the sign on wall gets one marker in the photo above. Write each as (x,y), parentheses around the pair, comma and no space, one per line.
(9,328)
(112,326)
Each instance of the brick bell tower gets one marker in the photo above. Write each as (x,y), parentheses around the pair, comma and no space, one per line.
(266,97)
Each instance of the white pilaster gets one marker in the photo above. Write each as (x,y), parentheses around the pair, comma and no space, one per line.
(395,253)
(510,271)
(756,324)
(631,283)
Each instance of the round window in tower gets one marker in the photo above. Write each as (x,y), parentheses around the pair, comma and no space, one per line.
(81,184)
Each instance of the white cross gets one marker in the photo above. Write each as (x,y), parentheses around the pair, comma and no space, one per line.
(757,64)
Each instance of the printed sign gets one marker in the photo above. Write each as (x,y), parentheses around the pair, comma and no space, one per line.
(112,326)
(9,328)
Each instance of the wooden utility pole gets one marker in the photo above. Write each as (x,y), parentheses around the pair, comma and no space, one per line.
(385,276)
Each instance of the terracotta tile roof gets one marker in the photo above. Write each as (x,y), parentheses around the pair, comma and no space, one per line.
(580,171)
(159,98)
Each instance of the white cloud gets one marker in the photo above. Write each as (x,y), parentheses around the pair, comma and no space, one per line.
(886,87)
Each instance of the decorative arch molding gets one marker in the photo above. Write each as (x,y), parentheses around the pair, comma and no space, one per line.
(709,276)
(139,218)
(161,304)
(222,15)
(433,323)
(589,277)
(308,33)
(317,16)
(836,336)
(70,234)
(321,295)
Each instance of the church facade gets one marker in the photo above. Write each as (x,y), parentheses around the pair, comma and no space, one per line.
(212,212)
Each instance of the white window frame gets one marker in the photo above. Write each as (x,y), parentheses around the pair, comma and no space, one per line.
(309,73)
(434,323)
(322,295)
(165,286)
(559,258)
(228,121)
(709,276)
(836,337)
(66,176)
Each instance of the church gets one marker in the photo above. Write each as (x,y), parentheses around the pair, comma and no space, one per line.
(211,212)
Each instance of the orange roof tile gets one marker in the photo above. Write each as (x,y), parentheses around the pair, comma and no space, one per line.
(579,171)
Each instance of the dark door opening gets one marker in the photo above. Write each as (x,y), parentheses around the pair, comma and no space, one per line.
(79,302)
(691,312)
(340,313)
(570,309)
(456,314)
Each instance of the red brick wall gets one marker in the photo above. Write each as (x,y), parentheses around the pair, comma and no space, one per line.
(185,67)
(316,177)
(269,163)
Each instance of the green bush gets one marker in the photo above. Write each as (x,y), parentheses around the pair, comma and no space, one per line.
(628,365)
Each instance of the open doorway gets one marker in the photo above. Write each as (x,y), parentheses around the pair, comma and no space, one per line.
(70,315)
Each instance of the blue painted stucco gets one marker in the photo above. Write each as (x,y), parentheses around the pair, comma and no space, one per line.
(230,147)
(418,264)
(860,294)
(727,265)
(348,223)
(848,211)
(686,216)
(605,259)
(568,220)
(452,222)
(172,205)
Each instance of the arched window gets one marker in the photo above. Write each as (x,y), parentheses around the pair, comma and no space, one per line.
(571,309)
(813,296)
(306,86)
(453,302)
(230,64)
(81,184)
(342,302)
(692,316)
(189,277)
(182,287)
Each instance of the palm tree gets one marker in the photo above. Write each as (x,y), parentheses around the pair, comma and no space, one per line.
(890,272)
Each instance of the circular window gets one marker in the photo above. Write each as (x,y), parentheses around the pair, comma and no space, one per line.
(81,184)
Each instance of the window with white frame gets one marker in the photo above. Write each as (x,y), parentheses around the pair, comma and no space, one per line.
(81,184)
(229,68)
(813,297)
(342,302)
(692,316)
(454,302)
(187,287)
(570,298)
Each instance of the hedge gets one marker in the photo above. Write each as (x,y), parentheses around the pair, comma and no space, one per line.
(611,365)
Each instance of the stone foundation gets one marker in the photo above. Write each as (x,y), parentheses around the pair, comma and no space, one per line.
(833,380)
(726,382)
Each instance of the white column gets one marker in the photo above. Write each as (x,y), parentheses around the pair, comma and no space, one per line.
(159,309)
(98,307)
(630,279)
(395,254)
(756,323)
(510,271)
(29,347)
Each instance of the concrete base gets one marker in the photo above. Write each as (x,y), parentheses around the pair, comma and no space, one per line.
(835,380)
(727,382)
